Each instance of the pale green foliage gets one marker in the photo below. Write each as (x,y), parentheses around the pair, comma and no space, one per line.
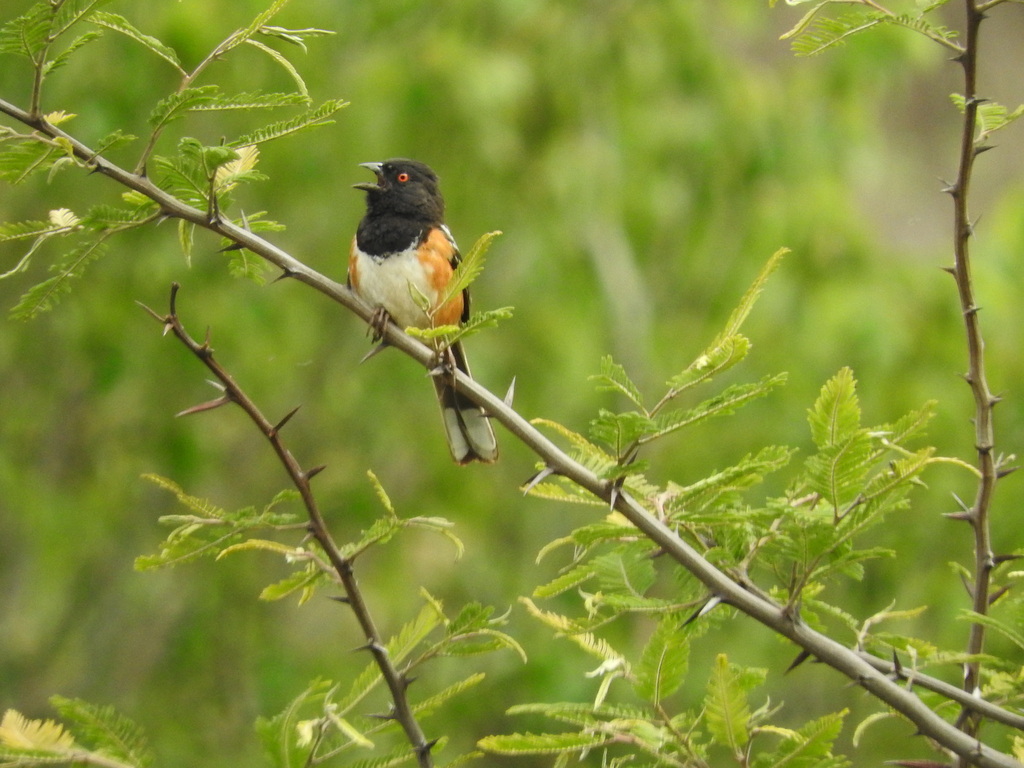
(792,545)
(94,735)
(469,268)
(815,32)
(193,173)
(992,116)
(327,718)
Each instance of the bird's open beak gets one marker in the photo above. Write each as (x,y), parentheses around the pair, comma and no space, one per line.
(367,186)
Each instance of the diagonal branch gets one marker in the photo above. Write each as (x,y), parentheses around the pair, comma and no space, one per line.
(396,681)
(754,604)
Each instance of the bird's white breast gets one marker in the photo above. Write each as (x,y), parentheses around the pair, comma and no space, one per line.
(393,282)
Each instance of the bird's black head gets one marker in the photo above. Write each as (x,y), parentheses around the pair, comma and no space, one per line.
(405,188)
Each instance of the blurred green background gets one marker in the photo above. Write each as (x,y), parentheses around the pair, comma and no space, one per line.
(643,160)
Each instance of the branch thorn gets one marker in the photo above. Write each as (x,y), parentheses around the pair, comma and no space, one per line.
(287,417)
(537,478)
(379,348)
(510,393)
(207,406)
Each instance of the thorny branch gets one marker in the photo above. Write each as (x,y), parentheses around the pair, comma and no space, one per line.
(396,681)
(989,469)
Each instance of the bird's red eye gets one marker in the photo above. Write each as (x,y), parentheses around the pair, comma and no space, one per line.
(403,177)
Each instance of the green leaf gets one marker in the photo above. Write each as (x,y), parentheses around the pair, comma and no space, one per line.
(305,582)
(664,661)
(246,264)
(727,711)
(255,26)
(835,417)
(469,269)
(739,315)
(808,747)
(722,404)
(565,581)
(47,294)
(750,471)
(120,24)
(208,529)
(294,36)
(719,357)
(613,378)
(825,32)
(541,743)
(20,160)
(429,705)
(177,104)
(249,101)
(629,570)
(105,730)
(620,430)
(729,347)
(281,734)
(284,63)
(309,119)
(845,454)
(992,116)
(64,56)
(28,34)
(1013,634)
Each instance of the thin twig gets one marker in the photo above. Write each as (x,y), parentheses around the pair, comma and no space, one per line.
(984,401)
(762,609)
(396,681)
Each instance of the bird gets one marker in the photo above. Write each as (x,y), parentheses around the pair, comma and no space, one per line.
(401,260)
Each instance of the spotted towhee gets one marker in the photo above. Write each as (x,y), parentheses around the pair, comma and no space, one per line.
(402,258)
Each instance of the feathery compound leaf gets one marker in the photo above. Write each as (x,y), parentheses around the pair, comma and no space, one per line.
(286,65)
(429,705)
(22,735)
(294,36)
(845,450)
(47,294)
(664,661)
(722,404)
(177,104)
(20,160)
(728,714)
(566,581)
(613,378)
(621,430)
(247,101)
(991,115)
(629,570)
(254,26)
(469,269)
(826,33)
(808,747)
(748,472)
(64,56)
(105,730)
(719,357)
(729,346)
(541,743)
(28,34)
(308,119)
(281,734)
(739,315)
(305,582)
(120,24)
(835,417)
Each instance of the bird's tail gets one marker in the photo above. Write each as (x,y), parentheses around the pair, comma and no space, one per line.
(469,432)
